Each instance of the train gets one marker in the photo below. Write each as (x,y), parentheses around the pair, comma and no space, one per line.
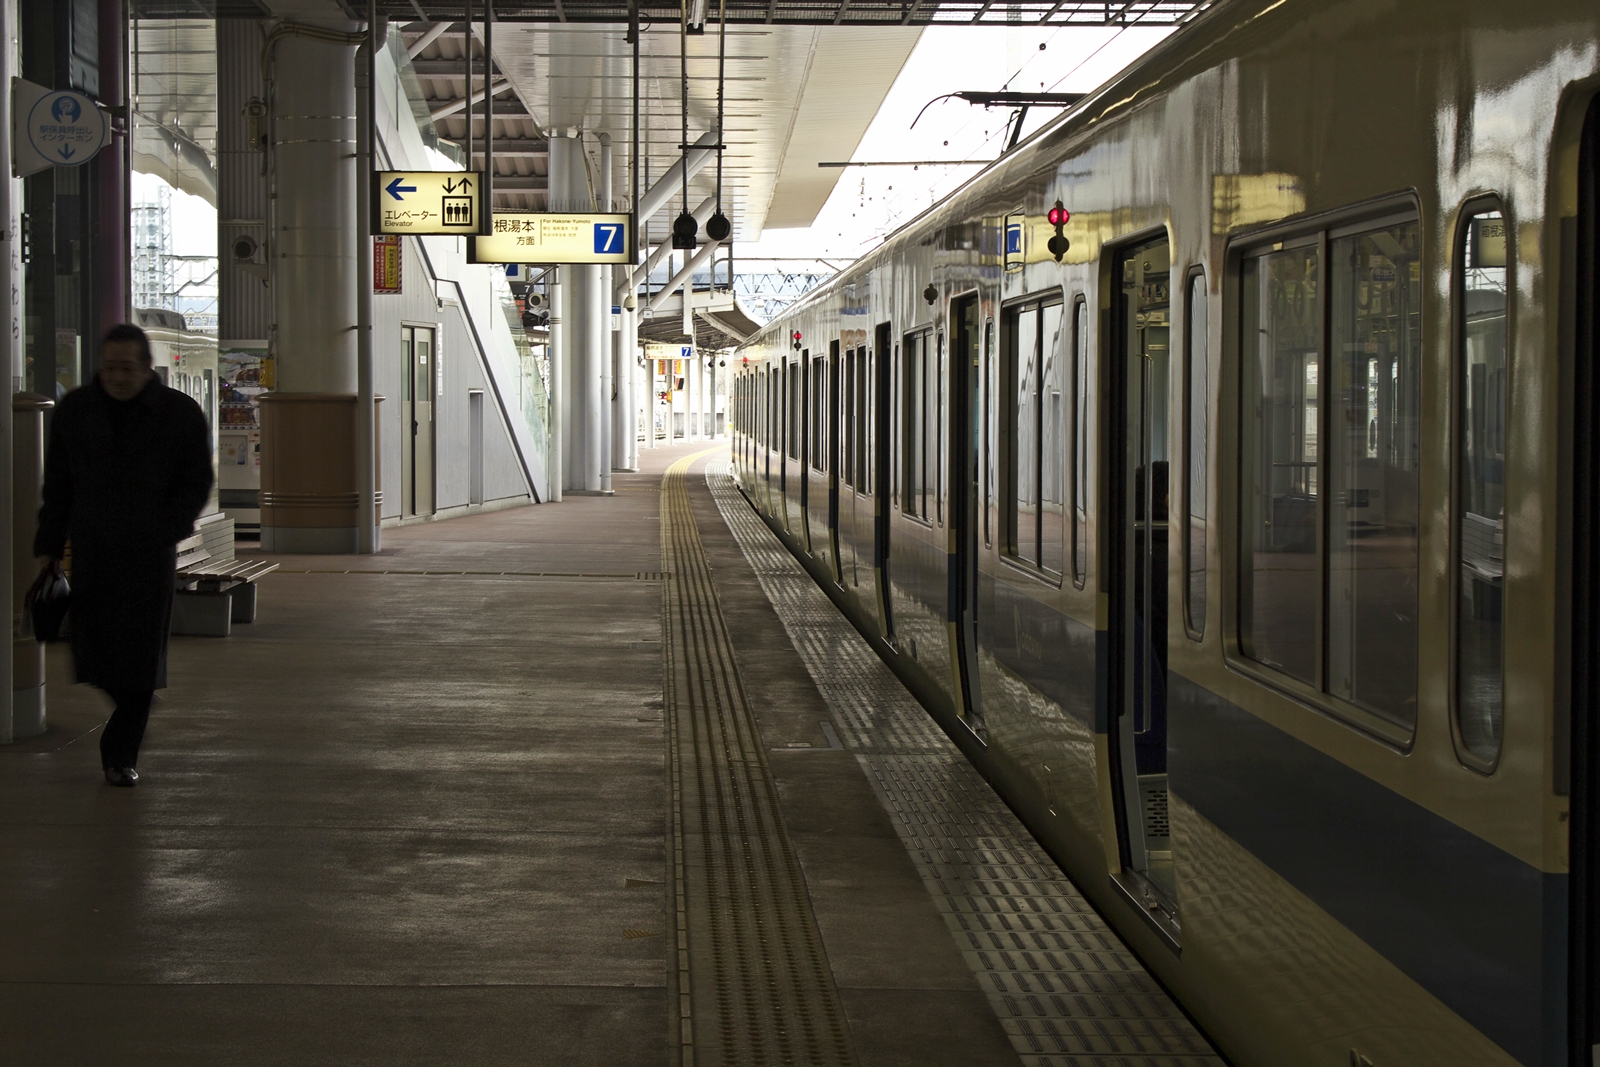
(1220,467)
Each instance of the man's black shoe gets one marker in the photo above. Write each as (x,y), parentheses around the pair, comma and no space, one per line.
(123,776)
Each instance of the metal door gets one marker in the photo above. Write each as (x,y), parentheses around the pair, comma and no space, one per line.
(1140,365)
(417,404)
(964,464)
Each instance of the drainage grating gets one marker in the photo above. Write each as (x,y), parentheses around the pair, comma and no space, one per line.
(1065,988)
(752,981)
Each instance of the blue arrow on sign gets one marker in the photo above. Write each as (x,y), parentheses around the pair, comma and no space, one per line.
(67,153)
(394,189)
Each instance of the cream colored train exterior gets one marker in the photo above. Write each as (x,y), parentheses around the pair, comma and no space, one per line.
(1284,226)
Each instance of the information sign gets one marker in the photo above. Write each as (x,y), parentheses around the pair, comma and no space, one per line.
(1014,243)
(386,260)
(539,237)
(63,129)
(424,202)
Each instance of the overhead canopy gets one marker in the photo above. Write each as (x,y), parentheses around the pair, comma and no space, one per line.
(175,101)
(720,321)
(785,106)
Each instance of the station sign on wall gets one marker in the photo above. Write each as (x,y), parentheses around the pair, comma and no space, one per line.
(427,202)
(547,237)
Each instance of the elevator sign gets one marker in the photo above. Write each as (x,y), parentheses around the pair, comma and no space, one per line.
(545,237)
(427,202)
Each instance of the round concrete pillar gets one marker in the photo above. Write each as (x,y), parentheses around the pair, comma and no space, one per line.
(307,498)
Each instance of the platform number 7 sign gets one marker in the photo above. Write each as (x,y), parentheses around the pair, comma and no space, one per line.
(607,238)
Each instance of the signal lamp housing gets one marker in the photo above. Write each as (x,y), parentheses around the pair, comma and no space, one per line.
(1058,244)
(718,227)
(684,229)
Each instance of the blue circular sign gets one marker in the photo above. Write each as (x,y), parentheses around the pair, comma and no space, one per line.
(66,128)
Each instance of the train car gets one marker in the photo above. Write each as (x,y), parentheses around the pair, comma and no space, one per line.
(1219,467)
(185,360)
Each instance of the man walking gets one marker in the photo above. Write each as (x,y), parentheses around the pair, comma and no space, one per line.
(127,472)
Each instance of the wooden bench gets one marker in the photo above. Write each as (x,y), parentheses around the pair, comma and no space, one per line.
(212,595)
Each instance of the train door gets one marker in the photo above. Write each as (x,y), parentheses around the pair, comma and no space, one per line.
(416,414)
(882,477)
(833,430)
(1584,906)
(965,366)
(1139,365)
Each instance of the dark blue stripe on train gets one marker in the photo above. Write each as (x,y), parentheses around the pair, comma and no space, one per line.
(1475,926)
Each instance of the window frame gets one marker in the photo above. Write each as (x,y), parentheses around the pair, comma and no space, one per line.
(1006,438)
(1319,231)
(1469,210)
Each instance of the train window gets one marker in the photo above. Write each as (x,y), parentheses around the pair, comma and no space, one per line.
(1023,377)
(1080,441)
(1281,594)
(936,420)
(987,430)
(1052,515)
(1033,436)
(1329,550)
(860,420)
(1197,368)
(794,411)
(1482,336)
(916,427)
(847,397)
(819,412)
(1375,353)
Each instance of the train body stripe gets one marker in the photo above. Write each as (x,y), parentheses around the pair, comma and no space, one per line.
(1475,926)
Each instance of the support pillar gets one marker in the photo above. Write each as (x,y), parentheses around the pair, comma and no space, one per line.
(309,422)
(26,714)
(585,327)
(111,261)
(609,339)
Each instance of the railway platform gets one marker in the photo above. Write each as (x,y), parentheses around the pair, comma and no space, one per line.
(604,783)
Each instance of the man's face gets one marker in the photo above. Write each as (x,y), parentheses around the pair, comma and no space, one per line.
(123,372)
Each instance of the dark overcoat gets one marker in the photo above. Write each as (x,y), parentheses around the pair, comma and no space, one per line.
(125,480)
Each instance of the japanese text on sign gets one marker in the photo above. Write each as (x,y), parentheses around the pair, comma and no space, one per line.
(427,202)
(553,238)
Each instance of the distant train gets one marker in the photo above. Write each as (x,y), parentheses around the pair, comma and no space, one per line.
(1221,468)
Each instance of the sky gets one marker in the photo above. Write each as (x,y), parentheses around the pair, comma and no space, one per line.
(194,222)
(871,202)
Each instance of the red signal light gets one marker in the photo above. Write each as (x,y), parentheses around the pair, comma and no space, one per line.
(1058,216)
(796,336)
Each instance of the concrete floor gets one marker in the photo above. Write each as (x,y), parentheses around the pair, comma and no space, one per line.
(419,819)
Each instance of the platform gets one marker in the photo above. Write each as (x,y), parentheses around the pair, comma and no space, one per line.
(607,782)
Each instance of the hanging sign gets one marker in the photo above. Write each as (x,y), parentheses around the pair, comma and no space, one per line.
(54,128)
(386,259)
(427,202)
(543,237)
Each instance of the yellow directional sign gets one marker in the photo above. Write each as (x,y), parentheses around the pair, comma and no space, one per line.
(536,237)
(427,201)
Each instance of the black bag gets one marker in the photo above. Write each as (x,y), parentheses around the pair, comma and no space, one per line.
(47,602)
